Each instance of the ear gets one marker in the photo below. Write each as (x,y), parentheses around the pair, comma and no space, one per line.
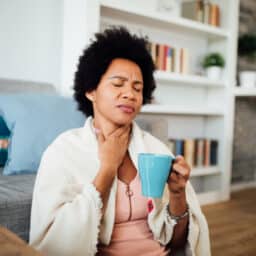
(90,96)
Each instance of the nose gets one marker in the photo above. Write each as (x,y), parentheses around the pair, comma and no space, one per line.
(129,94)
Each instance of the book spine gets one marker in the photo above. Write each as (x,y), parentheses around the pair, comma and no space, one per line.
(157,56)
(179,147)
(169,59)
(189,151)
(200,10)
(206,152)
(176,56)
(153,52)
(206,12)
(184,59)
(161,57)
(165,57)
(213,152)
(199,152)
(213,15)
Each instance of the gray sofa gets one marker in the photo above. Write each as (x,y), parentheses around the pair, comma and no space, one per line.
(16,190)
(15,202)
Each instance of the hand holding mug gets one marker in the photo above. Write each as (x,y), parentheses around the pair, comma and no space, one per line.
(179,176)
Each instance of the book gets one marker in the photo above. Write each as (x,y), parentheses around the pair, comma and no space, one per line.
(193,10)
(153,52)
(199,152)
(160,60)
(169,59)
(157,56)
(207,9)
(214,15)
(184,65)
(189,151)
(179,147)
(213,152)
(165,57)
(206,152)
(176,60)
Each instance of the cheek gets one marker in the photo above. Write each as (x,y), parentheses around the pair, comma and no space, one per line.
(140,100)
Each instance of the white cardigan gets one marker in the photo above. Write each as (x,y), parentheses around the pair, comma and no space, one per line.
(66,209)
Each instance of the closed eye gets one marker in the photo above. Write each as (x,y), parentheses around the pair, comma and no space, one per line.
(137,88)
(117,84)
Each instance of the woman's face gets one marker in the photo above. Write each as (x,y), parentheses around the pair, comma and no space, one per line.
(118,97)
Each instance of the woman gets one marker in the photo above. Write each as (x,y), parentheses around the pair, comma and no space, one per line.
(87,195)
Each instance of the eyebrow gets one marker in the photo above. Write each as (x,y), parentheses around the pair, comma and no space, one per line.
(125,79)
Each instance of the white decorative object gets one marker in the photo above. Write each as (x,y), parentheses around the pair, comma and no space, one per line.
(214,72)
(169,7)
(247,79)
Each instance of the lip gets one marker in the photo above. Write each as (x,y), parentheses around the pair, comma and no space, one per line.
(126,108)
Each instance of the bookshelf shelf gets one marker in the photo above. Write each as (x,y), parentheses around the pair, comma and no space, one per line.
(166,109)
(191,80)
(203,171)
(117,9)
(245,92)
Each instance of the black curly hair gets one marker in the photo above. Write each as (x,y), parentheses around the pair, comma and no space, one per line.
(112,43)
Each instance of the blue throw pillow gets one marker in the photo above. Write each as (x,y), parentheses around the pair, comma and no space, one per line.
(35,120)
(4,136)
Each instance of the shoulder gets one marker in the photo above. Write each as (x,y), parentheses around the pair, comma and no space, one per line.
(68,137)
(66,142)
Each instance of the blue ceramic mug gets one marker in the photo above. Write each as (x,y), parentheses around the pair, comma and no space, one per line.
(154,170)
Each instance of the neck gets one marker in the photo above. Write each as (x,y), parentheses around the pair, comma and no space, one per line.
(104,125)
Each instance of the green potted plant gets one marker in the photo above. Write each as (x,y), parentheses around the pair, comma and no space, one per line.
(247,51)
(213,63)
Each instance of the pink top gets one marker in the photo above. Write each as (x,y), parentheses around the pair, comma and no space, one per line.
(131,233)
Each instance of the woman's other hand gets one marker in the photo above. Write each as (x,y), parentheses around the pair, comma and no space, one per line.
(179,176)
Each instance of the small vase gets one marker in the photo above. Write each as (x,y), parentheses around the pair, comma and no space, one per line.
(247,79)
(214,72)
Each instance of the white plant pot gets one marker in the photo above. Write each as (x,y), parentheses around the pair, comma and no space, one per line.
(214,73)
(247,79)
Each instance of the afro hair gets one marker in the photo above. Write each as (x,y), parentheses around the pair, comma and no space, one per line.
(112,43)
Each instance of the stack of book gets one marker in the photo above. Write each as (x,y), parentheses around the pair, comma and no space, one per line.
(202,11)
(169,59)
(197,152)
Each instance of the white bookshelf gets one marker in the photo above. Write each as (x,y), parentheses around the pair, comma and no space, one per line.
(244,92)
(192,105)
(180,110)
(190,80)
(126,9)
(203,171)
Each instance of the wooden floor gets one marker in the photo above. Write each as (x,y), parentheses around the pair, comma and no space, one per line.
(233,225)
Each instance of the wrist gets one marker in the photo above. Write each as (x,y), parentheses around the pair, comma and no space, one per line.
(177,203)
(175,218)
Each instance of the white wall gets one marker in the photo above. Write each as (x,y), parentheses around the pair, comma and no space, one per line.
(76,34)
(30,40)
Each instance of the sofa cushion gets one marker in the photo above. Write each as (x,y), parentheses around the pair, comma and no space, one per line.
(35,120)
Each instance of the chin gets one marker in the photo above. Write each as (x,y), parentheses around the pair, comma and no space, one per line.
(123,121)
